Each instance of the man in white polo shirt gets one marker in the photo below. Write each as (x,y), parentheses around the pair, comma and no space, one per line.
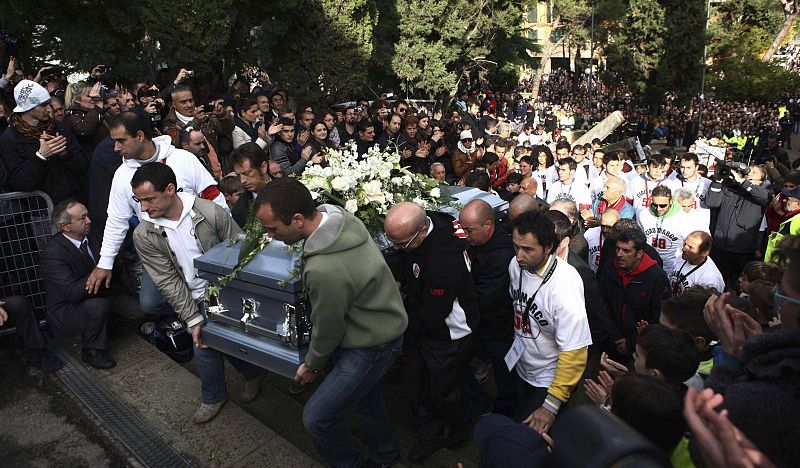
(551,330)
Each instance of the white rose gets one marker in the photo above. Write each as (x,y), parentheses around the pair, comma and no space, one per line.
(435,192)
(351,206)
(419,202)
(339,184)
(406,180)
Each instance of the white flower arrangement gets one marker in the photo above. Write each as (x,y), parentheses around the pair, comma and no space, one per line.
(369,185)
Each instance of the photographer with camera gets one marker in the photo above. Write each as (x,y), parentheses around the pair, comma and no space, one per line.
(85,113)
(210,118)
(774,153)
(149,100)
(741,207)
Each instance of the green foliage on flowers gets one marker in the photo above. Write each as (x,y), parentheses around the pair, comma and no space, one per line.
(254,241)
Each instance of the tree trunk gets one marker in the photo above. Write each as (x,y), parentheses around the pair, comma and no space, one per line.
(547,52)
(787,26)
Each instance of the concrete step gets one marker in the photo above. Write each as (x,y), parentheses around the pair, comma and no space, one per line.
(165,395)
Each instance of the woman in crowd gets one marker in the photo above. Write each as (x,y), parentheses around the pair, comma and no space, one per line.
(414,150)
(333,133)
(85,115)
(544,159)
(250,127)
(319,142)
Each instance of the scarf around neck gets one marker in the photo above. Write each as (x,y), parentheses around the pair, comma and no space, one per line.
(250,130)
(29,131)
(467,151)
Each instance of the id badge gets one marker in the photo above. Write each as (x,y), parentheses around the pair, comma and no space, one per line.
(513,355)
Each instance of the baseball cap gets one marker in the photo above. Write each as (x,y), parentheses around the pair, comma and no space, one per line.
(28,95)
(503,442)
(793,193)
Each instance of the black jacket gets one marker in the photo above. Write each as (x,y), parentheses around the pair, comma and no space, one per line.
(242,207)
(104,164)
(60,177)
(435,275)
(761,396)
(65,271)
(490,272)
(596,310)
(741,207)
(640,300)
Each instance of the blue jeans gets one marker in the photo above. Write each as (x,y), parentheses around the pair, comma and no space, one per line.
(354,383)
(211,368)
(150,299)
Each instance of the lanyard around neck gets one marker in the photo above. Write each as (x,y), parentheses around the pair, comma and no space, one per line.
(529,302)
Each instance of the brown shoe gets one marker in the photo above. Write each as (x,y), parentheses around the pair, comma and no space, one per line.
(207,412)
(250,390)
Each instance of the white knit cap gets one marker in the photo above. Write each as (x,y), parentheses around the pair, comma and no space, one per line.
(28,95)
(465,135)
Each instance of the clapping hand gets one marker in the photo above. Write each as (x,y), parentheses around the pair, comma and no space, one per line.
(730,325)
(598,391)
(721,443)
(52,145)
(614,368)
(302,138)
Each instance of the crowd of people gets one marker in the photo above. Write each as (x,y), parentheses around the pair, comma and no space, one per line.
(662,290)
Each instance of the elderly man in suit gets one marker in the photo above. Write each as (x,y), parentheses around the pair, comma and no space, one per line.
(66,263)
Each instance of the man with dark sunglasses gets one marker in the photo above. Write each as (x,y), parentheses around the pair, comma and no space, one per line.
(666,226)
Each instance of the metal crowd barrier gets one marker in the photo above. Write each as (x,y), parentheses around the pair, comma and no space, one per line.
(25,230)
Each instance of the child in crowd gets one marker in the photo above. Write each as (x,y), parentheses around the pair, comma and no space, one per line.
(512,186)
(685,313)
(231,187)
(650,406)
(758,270)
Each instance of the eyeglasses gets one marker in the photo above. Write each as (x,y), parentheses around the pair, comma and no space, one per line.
(404,247)
(659,205)
(779,298)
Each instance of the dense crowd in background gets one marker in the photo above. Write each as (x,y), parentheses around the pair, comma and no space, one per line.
(661,288)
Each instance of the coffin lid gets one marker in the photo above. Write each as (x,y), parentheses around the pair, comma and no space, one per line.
(271,266)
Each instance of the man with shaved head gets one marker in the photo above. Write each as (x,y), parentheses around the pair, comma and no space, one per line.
(529,186)
(443,311)
(697,267)
(491,250)
(523,203)
(596,235)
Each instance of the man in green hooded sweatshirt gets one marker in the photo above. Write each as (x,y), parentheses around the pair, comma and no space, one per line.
(357,316)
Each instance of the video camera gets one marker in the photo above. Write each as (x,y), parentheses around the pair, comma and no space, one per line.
(725,169)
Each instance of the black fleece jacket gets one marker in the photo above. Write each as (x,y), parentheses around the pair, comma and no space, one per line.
(490,273)
(435,275)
